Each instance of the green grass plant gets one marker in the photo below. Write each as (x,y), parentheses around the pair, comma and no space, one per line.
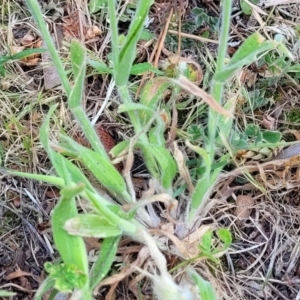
(108,220)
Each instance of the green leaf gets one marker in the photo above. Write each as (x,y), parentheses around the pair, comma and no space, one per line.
(66,244)
(101,167)
(225,236)
(246,8)
(44,134)
(78,66)
(272,137)
(61,164)
(45,178)
(147,35)
(76,175)
(205,288)
(141,68)
(195,132)
(206,241)
(225,123)
(100,66)
(202,152)
(200,191)
(58,161)
(152,93)
(66,277)
(156,134)
(203,184)
(96,5)
(252,130)
(294,69)
(20,55)
(105,259)
(128,51)
(91,225)
(6,294)
(249,46)
(44,287)
(151,163)
(238,140)
(166,165)
(247,53)
(258,138)
(119,148)
(133,107)
(39,18)
(282,48)
(2,71)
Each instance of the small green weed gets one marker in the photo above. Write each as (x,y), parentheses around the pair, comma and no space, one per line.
(247,8)
(293,116)
(201,18)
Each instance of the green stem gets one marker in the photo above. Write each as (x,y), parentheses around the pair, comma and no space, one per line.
(114,32)
(217,87)
(208,178)
(89,131)
(38,17)
(128,227)
(135,121)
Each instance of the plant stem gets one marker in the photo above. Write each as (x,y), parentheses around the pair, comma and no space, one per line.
(217,87)
(135,121)
(38,17)
(114,33)
(89,131)
(206,182)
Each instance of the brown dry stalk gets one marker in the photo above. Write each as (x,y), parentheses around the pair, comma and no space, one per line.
(273,165)
(190,87)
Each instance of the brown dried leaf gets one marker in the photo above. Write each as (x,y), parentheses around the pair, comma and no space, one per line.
(248,77)
(16,49)
(17,201)
(165,117)
(38,44)
(106,138)
(179,244)
(279,2)
(25,283)
(27,40)
(198,92)
(19,273)
(91,243)
(28,43)
(111,295)
(71,27)
(168,227)
(51,77)
(92,32)
(268,122)
(126,270)
(52,194)
(296,133)
(28,61)
(244,205)
(183,171)
(43,226)
(193,240)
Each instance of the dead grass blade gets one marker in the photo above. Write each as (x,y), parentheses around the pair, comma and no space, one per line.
(182,168)
(190,87)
